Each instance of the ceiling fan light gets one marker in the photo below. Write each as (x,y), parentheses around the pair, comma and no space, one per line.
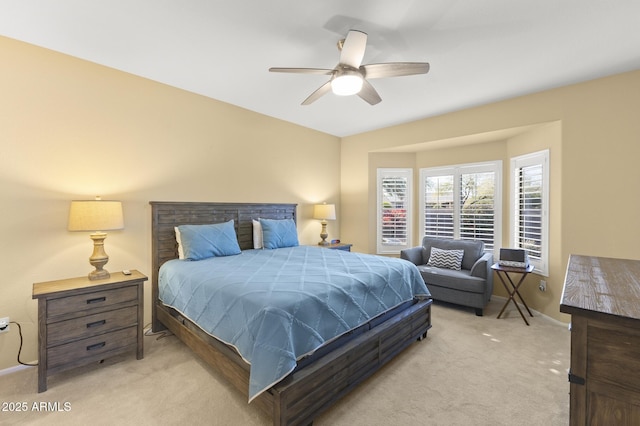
(345,85)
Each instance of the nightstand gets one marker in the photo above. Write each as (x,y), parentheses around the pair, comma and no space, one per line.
(82,321)
(338,246)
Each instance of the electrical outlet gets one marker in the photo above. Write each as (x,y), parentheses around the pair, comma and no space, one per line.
(4,324)
(543,285)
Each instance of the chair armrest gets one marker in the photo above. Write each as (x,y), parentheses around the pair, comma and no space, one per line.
(482,267)
(413,255)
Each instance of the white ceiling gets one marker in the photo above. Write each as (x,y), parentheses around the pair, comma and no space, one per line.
(479,51)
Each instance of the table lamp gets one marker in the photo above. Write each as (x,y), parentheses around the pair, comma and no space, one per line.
(324,212)
(96,216)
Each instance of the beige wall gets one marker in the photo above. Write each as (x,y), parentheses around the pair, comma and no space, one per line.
(70,129)
(592,132)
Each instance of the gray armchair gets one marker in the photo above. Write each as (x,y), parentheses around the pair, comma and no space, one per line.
(471,286)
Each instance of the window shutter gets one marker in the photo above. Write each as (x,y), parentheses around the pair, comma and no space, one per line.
(439,206)
(462,202)
(529,215)
(530,206)
(394,209)
(477,207)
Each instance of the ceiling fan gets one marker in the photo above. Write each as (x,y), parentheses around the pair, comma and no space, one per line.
(350,77)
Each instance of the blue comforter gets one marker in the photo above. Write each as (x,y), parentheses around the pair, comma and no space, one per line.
(275,306)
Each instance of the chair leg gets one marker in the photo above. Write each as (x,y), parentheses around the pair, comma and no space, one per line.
(479,312)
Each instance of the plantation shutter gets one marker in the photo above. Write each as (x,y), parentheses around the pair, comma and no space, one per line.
(462,202)
(439,206)
(529,215)
(530,208)
(394,209)
(477,207)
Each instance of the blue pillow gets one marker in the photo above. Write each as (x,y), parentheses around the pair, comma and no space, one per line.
(203,241)
(279,233)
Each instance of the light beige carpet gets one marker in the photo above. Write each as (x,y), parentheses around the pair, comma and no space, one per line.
(469,371)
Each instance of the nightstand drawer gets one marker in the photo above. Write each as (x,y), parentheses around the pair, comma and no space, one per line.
(90,301)
(93,348)
(92,325)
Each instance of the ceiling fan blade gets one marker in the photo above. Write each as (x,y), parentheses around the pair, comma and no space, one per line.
(321,71)
(369,94)
(322,90)
(353,49)
(395,69)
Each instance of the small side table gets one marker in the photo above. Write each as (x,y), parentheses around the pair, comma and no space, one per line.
(338,246)
(512,289)
(82,321)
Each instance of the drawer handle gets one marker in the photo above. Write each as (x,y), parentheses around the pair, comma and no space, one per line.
(97,323)
(96,346)
(96,300)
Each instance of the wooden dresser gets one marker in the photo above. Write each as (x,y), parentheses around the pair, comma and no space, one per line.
(603,297)
(82,321)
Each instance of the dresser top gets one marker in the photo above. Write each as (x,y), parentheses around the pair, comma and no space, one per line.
(602,285)
(48,288)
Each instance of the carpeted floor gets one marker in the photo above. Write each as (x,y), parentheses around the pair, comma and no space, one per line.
(469,371)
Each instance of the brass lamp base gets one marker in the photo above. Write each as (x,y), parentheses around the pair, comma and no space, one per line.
(324,234)
(99,258)
(99,274)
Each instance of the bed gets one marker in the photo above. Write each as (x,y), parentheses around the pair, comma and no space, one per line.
(321,377)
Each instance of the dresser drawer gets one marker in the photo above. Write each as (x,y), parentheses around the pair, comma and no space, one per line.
(73,354)
(83,303)
(91,325)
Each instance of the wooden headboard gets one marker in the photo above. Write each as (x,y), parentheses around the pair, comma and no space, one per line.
(165,216)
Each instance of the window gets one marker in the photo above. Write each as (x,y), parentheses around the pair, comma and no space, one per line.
(462,202)
(439,205)
(394,210)
(529,207)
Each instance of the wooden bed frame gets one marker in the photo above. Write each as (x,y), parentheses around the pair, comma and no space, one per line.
(318,382)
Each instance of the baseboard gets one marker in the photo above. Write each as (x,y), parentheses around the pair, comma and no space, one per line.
(566,324)
(15,369)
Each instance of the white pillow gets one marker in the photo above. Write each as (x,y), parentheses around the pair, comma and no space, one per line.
(257,235)
(180,248)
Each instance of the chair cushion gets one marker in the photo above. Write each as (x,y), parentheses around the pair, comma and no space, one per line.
(459,280)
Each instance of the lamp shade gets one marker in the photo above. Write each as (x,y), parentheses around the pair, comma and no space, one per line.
(95,215)
(324,211)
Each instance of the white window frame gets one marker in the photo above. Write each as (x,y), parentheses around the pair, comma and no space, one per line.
(541,266)
(407,173)
(457,171)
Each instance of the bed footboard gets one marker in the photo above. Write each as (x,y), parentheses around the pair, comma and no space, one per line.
(306,393)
